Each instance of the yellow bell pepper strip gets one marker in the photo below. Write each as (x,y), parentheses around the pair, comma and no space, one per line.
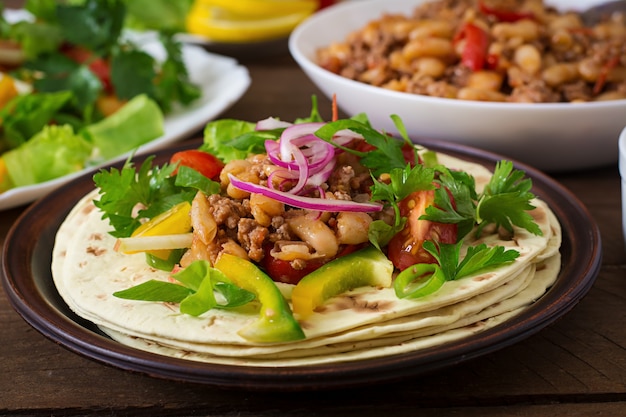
(365,267)
(5,180)
(175,221)
(8,90)
(276,322)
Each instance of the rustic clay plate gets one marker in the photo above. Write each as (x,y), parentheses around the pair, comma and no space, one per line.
(27,280)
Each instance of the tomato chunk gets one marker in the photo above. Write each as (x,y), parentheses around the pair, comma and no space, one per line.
(283,271)
(203,162)
(99,66)
(405,248)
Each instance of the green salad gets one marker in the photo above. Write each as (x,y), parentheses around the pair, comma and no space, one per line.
(76,92)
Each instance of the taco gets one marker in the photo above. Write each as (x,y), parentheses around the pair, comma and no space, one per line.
(309,249)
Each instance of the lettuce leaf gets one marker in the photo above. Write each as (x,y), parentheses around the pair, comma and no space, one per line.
(138,122)
(220,134)
(53,152)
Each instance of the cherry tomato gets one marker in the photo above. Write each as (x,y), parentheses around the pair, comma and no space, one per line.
(504,15)
(99,66)
(405,248)
(326,3)
(203,162)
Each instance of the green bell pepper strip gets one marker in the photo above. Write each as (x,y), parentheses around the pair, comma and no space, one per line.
(276,322)
(365,267)
(419,280)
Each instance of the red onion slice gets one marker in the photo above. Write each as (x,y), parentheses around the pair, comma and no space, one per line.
(308,203)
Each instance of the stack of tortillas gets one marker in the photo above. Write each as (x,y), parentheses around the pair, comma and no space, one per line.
(363,323)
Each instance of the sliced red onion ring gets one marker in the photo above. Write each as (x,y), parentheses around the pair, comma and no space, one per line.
(294,132)
(308,203)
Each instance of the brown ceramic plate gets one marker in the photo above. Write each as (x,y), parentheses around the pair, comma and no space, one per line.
(28,283)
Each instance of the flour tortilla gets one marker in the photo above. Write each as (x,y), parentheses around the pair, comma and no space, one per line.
(368,322)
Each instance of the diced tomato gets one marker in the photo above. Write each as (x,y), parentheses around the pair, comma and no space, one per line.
(99,66)
(203,162)
(405,248)
(504,15)
(604,74)
(282,271)
(326,3)
(475,51)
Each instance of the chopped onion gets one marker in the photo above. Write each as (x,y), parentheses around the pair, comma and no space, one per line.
(308,203)
(150,243)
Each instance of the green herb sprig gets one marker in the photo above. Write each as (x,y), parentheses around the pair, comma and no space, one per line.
(152,188)
(196,292)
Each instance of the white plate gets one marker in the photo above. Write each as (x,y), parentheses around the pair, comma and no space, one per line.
(222,81)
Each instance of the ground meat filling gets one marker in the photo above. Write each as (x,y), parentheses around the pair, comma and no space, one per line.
(248,227)
(547,57)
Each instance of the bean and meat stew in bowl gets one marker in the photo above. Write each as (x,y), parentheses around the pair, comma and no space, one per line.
(525,79)
(487,50)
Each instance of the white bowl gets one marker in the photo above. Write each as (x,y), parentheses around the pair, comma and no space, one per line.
(622,172)
(550,136)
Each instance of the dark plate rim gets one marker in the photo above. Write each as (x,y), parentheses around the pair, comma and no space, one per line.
(27,281)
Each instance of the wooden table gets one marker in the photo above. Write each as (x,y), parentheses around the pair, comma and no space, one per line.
(575,367)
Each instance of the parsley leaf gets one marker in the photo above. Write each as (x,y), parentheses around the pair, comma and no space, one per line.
(454,201)
(173,84)
(387,155)
(402,182)
(506,200)
(151,188)
(477,258)
(424,279)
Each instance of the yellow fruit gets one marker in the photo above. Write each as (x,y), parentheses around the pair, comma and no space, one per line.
(221,25)
(263,8)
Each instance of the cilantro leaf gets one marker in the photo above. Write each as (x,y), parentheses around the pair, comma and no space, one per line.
(133,73)
(423,279)
(94,24)
(173,84)
(454,201)
(479,258)
(386,155)
(506,200)
(402,182)
(121,191)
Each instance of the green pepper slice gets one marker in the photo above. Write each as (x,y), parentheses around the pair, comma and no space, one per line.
(276,322)
(365,267)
